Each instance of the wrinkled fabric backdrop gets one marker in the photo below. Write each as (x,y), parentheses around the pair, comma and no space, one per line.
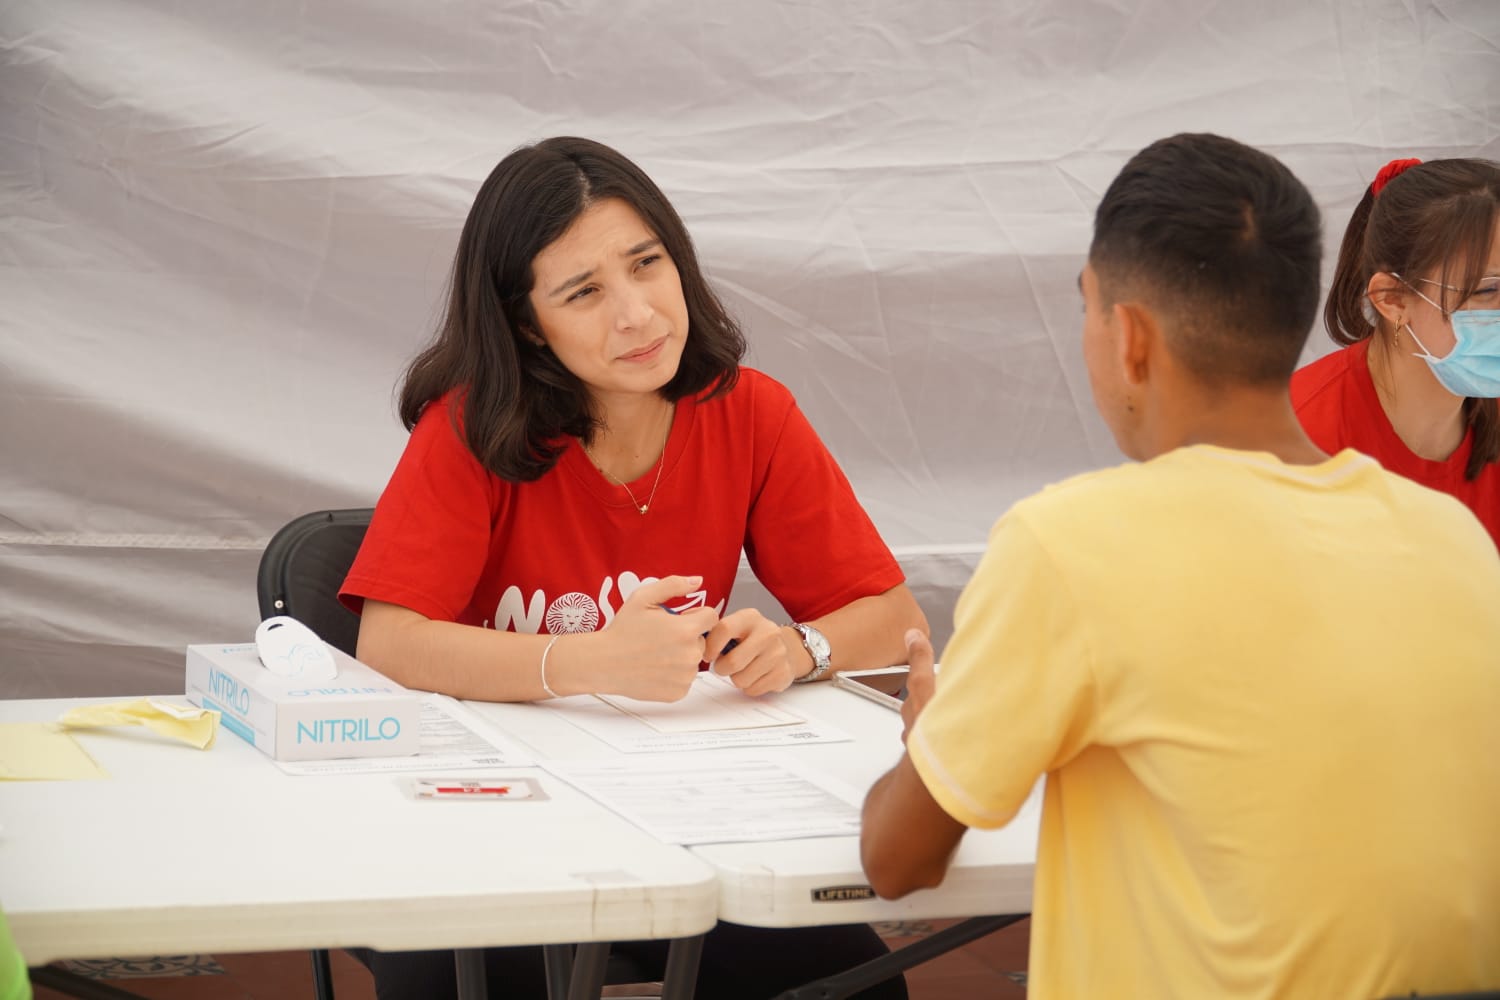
(225,227)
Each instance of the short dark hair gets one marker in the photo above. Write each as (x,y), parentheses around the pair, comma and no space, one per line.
(516,400)
(1427,217)
(1226,243)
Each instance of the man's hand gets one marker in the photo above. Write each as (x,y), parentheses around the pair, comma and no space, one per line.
(921,681)
(906,839)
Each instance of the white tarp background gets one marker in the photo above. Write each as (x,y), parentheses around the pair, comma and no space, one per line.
(224,228)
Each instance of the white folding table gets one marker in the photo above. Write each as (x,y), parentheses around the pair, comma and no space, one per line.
(819,881)
(219,850)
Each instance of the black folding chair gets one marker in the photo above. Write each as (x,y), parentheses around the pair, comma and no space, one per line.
(303,566)
(300,573)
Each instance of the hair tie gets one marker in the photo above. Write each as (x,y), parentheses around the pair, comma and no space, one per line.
(1389,172)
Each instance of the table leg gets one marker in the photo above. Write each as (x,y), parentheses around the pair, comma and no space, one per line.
(558,961)
(588,971)
(469,969)
(681,977)
(322,974)
(878,970)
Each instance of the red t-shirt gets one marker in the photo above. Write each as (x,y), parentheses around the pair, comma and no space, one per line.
(454,542)
(1335,399)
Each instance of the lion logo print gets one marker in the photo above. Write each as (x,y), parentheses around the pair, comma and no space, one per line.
(574,612)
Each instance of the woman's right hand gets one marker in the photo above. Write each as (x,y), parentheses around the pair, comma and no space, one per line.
(652,654)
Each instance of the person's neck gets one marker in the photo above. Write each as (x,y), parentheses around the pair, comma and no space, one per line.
(632,435)
(1242,418)
(1425,416)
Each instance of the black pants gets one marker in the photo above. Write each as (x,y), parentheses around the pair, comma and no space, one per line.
(739,963)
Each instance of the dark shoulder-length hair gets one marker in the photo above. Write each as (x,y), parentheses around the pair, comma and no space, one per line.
(516,403)
(1428,217)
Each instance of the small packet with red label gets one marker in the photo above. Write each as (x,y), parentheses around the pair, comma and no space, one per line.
(478,789)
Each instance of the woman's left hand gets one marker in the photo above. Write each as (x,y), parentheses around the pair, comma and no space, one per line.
(762,660)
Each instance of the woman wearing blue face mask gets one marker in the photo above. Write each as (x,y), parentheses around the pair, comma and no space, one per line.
(1416,302)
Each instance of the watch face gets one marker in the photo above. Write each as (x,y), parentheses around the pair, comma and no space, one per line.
(817,643)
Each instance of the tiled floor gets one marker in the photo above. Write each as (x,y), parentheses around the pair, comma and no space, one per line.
(992,967)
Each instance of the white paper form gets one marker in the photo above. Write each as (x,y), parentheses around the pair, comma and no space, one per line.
(453,737)
(718,798)
(632,734)
(713,704)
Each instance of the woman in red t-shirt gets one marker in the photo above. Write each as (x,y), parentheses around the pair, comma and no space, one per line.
(1413,295)
(586,451)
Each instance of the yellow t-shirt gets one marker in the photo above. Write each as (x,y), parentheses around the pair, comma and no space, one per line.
(1267,702)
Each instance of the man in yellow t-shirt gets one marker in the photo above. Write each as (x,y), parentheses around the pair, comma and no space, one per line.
(1263,684)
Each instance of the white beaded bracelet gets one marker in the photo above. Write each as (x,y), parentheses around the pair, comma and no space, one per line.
(545,686)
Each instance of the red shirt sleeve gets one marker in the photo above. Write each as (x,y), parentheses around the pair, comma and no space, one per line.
(439,499)
(809,540)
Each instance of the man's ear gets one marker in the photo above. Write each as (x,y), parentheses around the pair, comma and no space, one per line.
(1136,333)
(1388,296)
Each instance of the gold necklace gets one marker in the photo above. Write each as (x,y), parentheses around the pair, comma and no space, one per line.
(661,463)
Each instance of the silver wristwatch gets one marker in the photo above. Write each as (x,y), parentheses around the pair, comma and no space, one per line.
(816,644)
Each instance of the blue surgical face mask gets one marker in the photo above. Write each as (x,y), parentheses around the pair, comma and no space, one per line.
(1472,368)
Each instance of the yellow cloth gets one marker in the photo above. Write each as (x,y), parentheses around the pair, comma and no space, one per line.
(1267,700)
(192,725)
(41,751)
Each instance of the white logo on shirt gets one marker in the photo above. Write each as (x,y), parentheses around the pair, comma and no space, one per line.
(576,611)
(573,612)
